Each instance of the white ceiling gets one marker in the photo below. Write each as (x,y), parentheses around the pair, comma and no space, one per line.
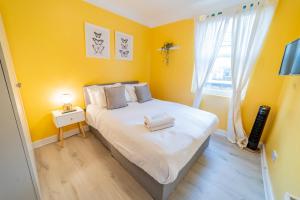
(158,12)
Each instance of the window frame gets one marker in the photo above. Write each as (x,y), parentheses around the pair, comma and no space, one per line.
(217,92)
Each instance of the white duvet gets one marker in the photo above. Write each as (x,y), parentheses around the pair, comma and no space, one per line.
(162,154)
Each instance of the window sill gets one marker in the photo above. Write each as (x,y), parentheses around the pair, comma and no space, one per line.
(216,92)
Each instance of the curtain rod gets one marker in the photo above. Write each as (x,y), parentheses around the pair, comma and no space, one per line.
(240,7)
(243,6)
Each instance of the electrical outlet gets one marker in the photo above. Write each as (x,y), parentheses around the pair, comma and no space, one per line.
(288,196)
(274,155)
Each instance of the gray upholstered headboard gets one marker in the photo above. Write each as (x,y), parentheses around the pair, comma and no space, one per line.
(85,93)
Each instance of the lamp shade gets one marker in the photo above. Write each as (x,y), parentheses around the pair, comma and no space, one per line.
(66,98)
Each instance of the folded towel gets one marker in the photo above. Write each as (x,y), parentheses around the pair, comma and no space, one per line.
(156,128)
(159,121)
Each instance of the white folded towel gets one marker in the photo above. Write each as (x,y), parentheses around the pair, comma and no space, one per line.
(156,128)
(159,121)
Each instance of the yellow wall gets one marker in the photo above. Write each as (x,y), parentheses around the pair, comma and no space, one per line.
(173,81)
(168,80)
(284,136)
(47,44)
(265,84)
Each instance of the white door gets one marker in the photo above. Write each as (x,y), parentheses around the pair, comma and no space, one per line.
(16,181)
(15,97)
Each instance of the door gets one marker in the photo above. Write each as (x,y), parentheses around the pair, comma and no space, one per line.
(15,178)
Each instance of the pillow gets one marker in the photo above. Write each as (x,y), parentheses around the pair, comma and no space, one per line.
(127,95)
(97,96)
(143,93)
(130,91)
(115,97)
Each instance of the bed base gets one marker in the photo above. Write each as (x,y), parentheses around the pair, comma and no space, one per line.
(155,189)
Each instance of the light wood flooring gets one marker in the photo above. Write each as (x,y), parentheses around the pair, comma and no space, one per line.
(85,170)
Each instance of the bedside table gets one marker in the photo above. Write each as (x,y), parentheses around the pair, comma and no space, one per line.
(64,119)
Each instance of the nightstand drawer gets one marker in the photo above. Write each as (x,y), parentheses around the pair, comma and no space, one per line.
(69,118)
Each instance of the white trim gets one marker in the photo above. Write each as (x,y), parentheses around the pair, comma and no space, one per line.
(220,132)
(53,138)
(266,176)
(217,92)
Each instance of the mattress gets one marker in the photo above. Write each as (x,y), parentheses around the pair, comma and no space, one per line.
(161,154)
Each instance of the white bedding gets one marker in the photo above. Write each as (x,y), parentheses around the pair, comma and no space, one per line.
(162,154)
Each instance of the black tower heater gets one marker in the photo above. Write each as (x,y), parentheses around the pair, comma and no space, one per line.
(258,127)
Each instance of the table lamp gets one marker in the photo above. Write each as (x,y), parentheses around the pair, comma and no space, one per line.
(67,105)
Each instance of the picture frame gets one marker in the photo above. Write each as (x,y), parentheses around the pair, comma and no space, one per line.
(97,41)
(123,46)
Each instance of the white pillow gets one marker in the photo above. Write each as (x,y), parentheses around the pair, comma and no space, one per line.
(130,91)
(127,96)
(97,95)
(94,95)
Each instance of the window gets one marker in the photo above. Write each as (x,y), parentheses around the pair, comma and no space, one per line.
(219,80)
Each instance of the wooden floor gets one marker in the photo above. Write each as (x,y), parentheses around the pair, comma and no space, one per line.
(85,170)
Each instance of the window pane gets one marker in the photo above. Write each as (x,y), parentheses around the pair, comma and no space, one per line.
(220,77)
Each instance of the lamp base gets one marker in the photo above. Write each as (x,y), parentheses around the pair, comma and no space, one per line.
(68,108)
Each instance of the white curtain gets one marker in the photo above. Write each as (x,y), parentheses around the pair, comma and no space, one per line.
(249,28)
(209,35)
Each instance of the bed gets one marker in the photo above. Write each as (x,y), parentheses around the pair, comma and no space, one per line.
(157,160)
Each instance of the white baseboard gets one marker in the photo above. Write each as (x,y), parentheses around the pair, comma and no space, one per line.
(220,132)
(266,176)
(52,139)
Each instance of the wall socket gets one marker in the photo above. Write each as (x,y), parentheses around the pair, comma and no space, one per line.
(274,155)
